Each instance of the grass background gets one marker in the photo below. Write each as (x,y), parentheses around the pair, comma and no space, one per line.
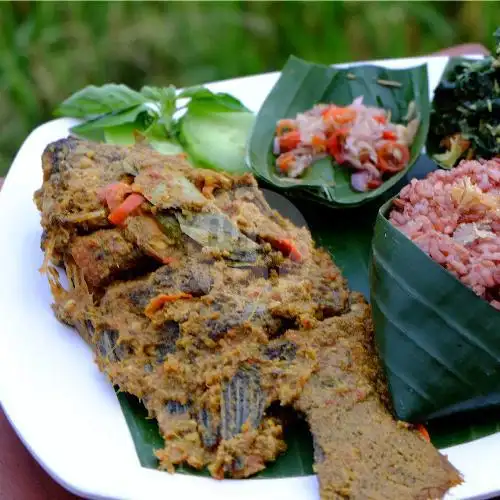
(50,49)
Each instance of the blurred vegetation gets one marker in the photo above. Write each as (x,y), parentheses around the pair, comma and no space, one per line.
(50,49)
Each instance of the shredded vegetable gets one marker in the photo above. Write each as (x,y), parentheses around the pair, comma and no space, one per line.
(358,136)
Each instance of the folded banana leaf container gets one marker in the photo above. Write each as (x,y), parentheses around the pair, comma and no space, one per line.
(439,341)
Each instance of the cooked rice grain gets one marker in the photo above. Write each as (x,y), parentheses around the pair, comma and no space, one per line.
(454,217)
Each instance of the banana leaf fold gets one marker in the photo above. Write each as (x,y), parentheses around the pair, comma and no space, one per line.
(439,341)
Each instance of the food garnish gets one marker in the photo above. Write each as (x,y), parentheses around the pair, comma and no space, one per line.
(360,137)
(212,128)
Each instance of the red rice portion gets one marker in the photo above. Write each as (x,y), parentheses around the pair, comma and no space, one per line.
(429,213)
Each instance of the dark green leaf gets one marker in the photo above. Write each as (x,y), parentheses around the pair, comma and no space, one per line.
(438,340)
(93,101)
(301,86)
(464,427)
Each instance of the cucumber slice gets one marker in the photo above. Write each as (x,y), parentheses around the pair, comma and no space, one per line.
(217,140)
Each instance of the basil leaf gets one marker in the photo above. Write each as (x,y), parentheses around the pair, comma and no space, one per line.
(142,116)
(215,103)
(160,94)
(93,101)
(165,98)
(196,91)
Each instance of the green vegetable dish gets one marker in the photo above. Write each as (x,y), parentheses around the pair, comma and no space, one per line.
(465,117)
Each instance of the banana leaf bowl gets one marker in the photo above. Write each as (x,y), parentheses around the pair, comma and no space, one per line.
(302,85)
(439,341)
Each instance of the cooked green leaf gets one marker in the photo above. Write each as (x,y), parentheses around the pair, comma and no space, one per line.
(217,231)
(466,102)
(301,86)
(93,101)
(170,226)
(449,158)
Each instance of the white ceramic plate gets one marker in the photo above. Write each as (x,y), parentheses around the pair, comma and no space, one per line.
(63,408)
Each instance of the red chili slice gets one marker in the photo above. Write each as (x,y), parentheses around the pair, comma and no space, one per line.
(392,157)
(289,140)
(335,145)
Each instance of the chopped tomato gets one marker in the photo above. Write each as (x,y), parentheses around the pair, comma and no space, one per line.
(285,126)
(285,161)
(339,114)
(380,119)
(168,260)
(159,301)
(364,156)
(335,145)
(318,143)
(113,194)
(420,428)
(289,140)
(392,157)
(373,183)
(389,135)
(120,213)
(287,248)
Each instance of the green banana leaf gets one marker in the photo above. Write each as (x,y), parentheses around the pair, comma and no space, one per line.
(349,240)
(302,85)
(438,340)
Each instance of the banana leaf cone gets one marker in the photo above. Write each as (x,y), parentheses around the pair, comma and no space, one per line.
(439,342)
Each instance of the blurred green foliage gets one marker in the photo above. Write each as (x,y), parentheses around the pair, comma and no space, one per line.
(50,49)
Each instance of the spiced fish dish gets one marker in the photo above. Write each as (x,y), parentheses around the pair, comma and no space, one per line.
(210,307)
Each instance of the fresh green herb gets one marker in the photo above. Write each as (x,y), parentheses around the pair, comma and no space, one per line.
(92,101)
(466,108)
(212,129)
